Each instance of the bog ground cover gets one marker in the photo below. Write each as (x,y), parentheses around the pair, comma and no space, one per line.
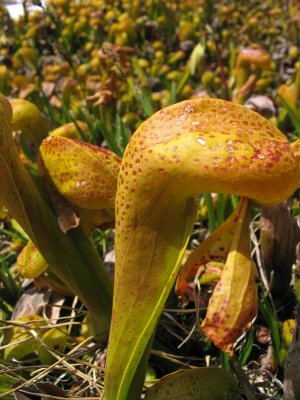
(149,168)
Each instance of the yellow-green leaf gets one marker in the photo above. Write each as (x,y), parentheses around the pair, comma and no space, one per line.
(30,262)
(55,339)
(214,248)
(233,303)
(287,333)
(7,383)
(28,119)
(22,342)
(31,122)
(71,130)
(84,174)
(195,384)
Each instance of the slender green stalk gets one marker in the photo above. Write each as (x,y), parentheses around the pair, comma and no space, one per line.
(5,308)
(247,348)
(225,361)
(182,81)
(11,290)
(295,117)
(271,320)
(211,212)
(173,93)
(220,209)
(234,201)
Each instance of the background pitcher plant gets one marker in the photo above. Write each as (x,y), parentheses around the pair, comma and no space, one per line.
(68,254)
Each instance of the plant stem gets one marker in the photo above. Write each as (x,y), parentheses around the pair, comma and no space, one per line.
(222,72)
(211,212)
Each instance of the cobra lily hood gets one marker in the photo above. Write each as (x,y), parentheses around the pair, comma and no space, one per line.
(196,146)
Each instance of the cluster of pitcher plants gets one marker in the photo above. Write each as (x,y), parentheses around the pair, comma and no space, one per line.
(196,146)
